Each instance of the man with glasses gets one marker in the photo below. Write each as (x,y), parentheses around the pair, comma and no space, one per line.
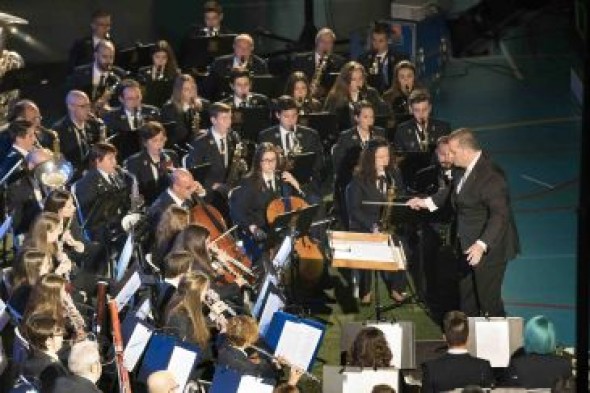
(83,48)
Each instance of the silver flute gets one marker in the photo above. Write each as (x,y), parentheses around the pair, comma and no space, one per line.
(273,357)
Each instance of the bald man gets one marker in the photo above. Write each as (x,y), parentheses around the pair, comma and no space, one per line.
(25,110)
(180,193)
(77,130)
(24,197)
(162,382)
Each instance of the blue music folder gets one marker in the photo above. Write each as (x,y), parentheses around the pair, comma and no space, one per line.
(227,380)
(297,339)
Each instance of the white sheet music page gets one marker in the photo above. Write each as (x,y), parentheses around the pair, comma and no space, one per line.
(4,315)
(298,343)
(144,310)
(393,333)
(282,257)
(354,250)
(125,257)
(128,290)
(364,381)
(250,384)
(180,364)
(273,304)
(492,342)
(136,346)
(259,300)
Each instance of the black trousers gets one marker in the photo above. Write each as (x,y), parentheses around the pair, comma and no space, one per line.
(480,288)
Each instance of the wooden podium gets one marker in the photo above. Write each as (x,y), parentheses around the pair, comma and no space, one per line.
(366,251)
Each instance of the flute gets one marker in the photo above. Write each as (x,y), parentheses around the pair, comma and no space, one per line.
(283,361)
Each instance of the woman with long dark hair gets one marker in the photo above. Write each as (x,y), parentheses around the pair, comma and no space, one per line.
(173,220)
(375,174)
(297,86)
(158,77)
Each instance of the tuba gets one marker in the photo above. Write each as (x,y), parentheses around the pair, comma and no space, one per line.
(55,173)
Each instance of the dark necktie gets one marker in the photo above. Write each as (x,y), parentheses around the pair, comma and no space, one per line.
(223,151)
(135,120)
(382,182)
(270,187)
(288,142)
(114,181)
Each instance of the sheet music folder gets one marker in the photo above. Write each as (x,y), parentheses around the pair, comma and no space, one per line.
(200,51)
(297,339)
(505,340)
(302,166)
(338,379)
(226,380)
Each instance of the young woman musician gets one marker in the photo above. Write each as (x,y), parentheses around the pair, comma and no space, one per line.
(158,77)
(173,220)
(186,111)
(397,96)
(373,176)
(297,86)
(349,88)
(29,266)
(370,349)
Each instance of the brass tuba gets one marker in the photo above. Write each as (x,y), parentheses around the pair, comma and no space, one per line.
(55,173)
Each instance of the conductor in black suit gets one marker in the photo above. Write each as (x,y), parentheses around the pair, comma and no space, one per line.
(99,78)
(457,368)
(310,62)
(82,50)
(124,121)
(78,130)
(151,165)
(486,233)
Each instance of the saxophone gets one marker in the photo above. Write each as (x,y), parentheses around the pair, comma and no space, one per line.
(195,120)
(374,69)
(318,74)
(385,220)
(238,165)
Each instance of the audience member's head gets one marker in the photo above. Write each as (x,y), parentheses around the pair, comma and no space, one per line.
(539,336)
(456,328)
(242,331)
(382,388)
(370,349)
(286,388)
(162,382)
(84,360)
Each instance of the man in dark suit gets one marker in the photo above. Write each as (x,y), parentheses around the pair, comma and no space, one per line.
(77,130)
(309,62)
(86,369)
(297,140)
(150,166)
(212,22)
(100,78)
(486,233)
(242,59)
(24,197)
(243,97)
(380,61)
(102,193)
(25,110)
(457,368)
(82,50)
(23,136)
(124,121)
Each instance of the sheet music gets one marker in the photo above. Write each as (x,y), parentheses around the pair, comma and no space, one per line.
(249,384)
(280,260)
(6,225)
(393,333)
(144,310)
(180,364)
(492,342)
(136,346)
(364,381)
(4,315)
(378,252)
(259,301)
(298,343)
(125,257)
(273,304)
(128,290)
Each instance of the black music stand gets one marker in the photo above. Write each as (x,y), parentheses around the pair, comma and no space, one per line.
(295,224)
(134,57)
(199,52)
(412,161)
(200,171)
(325,123)
(302,167)
(248,122)
(267,84)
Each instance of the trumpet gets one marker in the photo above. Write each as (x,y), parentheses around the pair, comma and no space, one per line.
(283,361)
(218,309)
(374,69)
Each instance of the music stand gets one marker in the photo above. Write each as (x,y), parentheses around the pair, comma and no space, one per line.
(248,122)
(412,161)
(325,123)
(134,57)
(267,84)
(199,52)
(302,168)
(200,171)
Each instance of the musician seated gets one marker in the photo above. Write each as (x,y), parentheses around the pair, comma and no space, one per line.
(171,221)
(185,113)
(99,78)
(323,56)
(347,150)
(242,95)
(179,193)
(398,94)
(240,334)
(370,349)
(86,368)
(375,174)
(295,139)
(457,368)
(151,165)
(243,59)
(263,183)
(102,194)
(124,121)
(536,366)
(380,60)
(162,381)
(176,265)
(24,197)
(350,87)
(422,131)
(212,22)
(29,265)
(44,333)
(88,256)
(297,86)
(82,49)
(25,110)
(23,137)
(216,147)
(157,78)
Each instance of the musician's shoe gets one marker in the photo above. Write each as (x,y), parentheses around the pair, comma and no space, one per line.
(366,300)
(398,297)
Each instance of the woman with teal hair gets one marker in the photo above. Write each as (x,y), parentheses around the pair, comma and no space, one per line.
(536,366)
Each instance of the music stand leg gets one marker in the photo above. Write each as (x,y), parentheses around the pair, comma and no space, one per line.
(377,297)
